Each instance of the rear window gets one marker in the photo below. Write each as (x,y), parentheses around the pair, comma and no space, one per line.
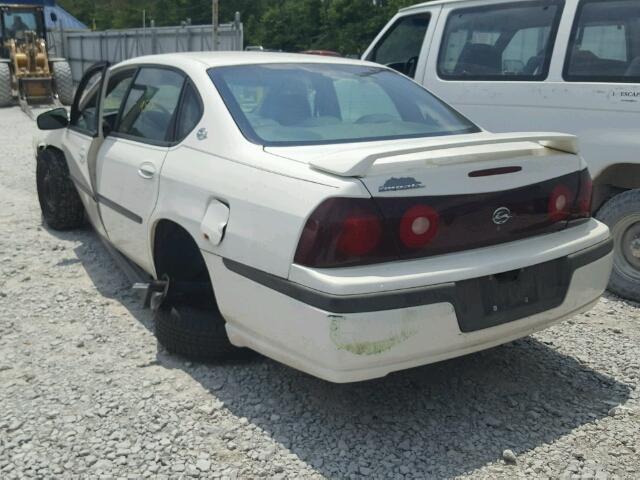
(500,42)
(307,104)
(605,42)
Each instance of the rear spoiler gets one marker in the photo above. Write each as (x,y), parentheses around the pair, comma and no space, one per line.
(354,164)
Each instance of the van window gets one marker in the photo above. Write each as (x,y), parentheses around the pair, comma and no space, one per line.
(500,42)
(605,42)
(400,47)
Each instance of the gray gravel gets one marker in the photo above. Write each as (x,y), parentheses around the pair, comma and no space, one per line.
(85,391)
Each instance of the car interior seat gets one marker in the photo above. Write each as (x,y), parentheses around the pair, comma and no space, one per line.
(584,62)
(534,64)
(478,59)
(288,105)
(634,68)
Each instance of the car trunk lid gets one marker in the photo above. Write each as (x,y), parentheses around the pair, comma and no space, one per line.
(451,194)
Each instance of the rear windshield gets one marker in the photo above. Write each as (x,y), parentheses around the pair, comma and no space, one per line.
(309,104)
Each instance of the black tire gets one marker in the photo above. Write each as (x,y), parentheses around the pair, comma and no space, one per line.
(61,206)
(194,332)
(64,81)
(622,215)
(6,97)
(189,322)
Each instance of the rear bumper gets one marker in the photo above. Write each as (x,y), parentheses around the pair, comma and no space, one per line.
(345,338)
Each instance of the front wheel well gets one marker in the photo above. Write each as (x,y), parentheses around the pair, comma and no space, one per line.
(613,180)
(51,148)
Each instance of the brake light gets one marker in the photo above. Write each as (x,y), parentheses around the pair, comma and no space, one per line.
(418,226)
(360,234)
(344,231)
(560,203)
(585,194)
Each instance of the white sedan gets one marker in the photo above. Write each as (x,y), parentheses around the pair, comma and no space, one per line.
(328,213)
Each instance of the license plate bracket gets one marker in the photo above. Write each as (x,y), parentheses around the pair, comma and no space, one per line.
(509,296)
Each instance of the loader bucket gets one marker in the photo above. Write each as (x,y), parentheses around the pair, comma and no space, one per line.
(36,90)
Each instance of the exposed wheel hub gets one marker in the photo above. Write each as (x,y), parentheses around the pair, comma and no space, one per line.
(631,244)
(635,247)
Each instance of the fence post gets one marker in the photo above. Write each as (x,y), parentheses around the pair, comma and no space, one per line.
(154,47)
(237,25)
(82,53)
(62,45)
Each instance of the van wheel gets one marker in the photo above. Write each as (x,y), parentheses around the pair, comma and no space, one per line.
(60,203)
(193,332)
(622,215)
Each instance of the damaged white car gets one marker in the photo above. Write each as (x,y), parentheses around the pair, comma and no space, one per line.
(330,214)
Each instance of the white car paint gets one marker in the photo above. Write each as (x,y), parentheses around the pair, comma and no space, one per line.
(247,204)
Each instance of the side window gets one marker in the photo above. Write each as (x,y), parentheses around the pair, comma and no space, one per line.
(190,112)
(85,118)
(511,41)
(116,91)
(152,101)
(400,47)
(605,42)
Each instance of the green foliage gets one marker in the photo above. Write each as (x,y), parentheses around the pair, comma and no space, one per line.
(346,26)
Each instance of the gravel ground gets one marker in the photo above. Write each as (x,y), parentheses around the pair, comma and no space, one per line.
(86,392)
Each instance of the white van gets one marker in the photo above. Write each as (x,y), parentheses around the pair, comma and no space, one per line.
(541,65)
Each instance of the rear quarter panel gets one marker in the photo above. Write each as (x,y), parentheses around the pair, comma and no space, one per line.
(269,197)
(267,210)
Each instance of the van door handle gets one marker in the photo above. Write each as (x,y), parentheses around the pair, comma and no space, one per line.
(147,170)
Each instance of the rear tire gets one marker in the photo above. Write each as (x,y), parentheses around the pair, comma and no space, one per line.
(193,332)
(60,203)
(6,98)
(64,81)
(189,322)
(622,215)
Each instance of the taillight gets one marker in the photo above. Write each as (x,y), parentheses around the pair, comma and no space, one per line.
(560,203)
(582,207)
(360,234)
(418,226)
(344,231)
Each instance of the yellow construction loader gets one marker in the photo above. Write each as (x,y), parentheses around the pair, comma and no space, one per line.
(27,74)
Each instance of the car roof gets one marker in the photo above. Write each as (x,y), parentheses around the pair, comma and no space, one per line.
(446,2)
(221,59)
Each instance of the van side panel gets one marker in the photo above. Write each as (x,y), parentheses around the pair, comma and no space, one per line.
(604,115)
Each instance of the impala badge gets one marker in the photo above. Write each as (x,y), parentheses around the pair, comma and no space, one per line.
(502,215)
(397,184)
